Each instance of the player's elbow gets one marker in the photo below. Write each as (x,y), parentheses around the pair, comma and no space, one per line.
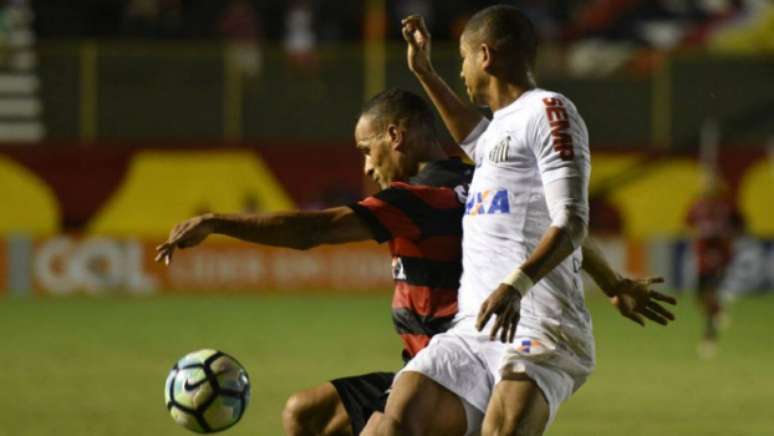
(300,230)
(577,230)
(574,225)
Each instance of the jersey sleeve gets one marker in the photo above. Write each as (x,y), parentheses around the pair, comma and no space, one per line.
(560,140)
(561,147)
(389,214)
(470,143)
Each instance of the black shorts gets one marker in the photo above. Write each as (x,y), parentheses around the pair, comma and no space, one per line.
(363,395)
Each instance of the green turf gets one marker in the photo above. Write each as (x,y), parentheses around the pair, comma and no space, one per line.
(97,366)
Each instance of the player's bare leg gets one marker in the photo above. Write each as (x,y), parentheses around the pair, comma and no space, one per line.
(417,405)
(373,423)
(316,411)
(711,309)
(517,407)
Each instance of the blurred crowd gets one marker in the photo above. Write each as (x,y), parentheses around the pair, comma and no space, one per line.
(655,23)
(596,36)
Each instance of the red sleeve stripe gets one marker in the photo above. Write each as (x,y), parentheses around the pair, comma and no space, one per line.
(414,343)
(439,248)
(430,221)
(379,232)
(392,218)
(424,301)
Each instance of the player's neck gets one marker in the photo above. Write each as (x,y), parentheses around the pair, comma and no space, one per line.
(503,93)
(435,153)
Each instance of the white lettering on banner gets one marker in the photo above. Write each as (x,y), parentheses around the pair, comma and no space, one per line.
(361,270)
(49,268)
(64,265)
(292,269)
(750,270)
(205,269)
(136,279)
(97,264)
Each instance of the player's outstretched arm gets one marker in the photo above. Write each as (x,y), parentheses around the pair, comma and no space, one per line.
(459,117)
(298,229)
(632,297)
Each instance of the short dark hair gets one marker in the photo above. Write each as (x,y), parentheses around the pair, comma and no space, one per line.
(396,105)
(506,29)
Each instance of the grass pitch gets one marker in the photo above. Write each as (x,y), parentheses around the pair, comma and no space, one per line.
(87,367)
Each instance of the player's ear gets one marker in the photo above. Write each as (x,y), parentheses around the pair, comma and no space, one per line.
(397,137)
(485,55)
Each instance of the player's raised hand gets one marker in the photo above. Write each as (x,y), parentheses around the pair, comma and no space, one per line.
(187,234)
(635,300)
(418,38)
(505,302)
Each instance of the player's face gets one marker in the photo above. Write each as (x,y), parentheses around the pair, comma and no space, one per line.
(472,71)
(382,161)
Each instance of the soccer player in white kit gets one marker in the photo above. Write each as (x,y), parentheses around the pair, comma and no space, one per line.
(525,219)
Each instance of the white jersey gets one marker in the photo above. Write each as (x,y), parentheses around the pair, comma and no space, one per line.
(537,141)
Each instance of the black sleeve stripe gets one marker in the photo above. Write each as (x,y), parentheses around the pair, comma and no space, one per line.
(408,322)
(430,273)
(379,231)
(430,221)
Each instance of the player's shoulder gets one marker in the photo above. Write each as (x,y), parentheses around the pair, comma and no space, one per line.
(533,106)
(414,198)
(539,94)
(547,109)
(446,173)
(538,100)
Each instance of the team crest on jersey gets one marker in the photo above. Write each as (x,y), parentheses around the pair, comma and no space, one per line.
(462,193)
(398,273)
(499,152)
(488,203)
(525,346)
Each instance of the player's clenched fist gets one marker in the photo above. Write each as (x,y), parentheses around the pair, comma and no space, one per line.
(418,38)
(505,302)
(187,234)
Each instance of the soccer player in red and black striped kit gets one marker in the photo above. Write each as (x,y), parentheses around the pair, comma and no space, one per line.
(715,221)
(419,212)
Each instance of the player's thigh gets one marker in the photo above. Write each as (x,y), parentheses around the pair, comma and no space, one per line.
(421,406)
(517,407)
(372,426)
(319,410)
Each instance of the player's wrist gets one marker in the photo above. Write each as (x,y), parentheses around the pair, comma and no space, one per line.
(614,287)
(519,281)
(426,74)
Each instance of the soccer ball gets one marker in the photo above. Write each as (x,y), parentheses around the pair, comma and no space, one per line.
(207,391)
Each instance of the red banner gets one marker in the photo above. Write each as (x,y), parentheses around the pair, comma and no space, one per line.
(66,265)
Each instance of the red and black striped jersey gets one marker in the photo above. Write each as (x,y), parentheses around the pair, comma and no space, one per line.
(716,221)
(422,220)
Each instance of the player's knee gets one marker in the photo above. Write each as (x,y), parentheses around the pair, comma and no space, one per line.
(372,425)
(527,421)
(386,425)
(297,415)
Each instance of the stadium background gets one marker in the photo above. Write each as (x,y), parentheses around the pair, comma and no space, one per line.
(120,118)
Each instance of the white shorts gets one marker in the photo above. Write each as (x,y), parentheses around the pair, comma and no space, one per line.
(470,365)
